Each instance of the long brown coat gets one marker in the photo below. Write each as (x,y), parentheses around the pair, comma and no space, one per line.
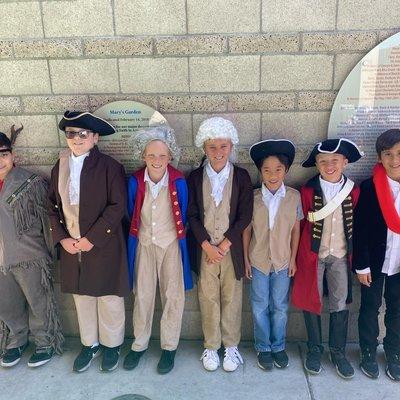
(102,205)
(241,211)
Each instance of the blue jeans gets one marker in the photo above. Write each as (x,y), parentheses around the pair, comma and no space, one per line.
(269,298)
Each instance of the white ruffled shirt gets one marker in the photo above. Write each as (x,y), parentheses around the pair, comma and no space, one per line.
(75,170)
(272,202)
(218,181)
(156,187)
(391,264)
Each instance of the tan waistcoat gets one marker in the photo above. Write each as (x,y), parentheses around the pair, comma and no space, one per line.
(156,223)
(216,219)
(270,249)
(333,240)
(71,212)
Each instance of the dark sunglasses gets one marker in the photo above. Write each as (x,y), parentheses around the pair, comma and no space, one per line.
(84,134)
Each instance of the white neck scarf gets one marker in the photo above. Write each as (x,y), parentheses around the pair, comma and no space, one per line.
(75,169)
(218,181)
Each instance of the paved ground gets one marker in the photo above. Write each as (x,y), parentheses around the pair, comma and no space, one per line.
(189,381)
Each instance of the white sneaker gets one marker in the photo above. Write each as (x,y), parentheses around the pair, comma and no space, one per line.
(210,359)
(232,359)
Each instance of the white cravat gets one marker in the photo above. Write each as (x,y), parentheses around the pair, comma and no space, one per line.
(272,202)
(218,181)
(156,187)
(330,190)
(391,264)
(75,169)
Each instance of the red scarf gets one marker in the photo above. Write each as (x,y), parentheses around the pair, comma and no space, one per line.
(1,185)
(385,198)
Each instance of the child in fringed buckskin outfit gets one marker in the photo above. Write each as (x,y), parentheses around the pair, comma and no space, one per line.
(26,260)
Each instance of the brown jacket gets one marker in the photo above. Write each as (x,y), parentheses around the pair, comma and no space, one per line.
(241,211)
(102,205)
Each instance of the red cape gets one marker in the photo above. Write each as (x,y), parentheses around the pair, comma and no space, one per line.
(305,293)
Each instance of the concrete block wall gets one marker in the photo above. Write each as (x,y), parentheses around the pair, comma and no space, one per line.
(273,67)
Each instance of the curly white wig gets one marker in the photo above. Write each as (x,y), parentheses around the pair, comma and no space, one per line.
(216,128)
(142,137)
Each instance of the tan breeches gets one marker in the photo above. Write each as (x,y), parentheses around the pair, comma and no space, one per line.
(154,264)
(101,319)
(220,297)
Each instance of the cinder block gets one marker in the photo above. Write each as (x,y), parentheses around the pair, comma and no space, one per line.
(54,104)
(224,74)
(187,103)
(10,105)
(344,63)
(48,48)
(37,156)
(296,72)
(98,100)
(298,15)
(223,16)
(84,76)
(333,42)
(247,124)
(150,17)
(191,45)
(24,77)
(154,75)
(6,49)
(300,127)
(39,130)
(182,125)
(316,100)
(118,46)
(273,43)
(361,14)
(20,20)
(78,18)
(261,102)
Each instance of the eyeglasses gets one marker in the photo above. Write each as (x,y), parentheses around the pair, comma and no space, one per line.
(84,134)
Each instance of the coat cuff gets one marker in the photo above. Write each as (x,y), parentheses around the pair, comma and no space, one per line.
(363,271)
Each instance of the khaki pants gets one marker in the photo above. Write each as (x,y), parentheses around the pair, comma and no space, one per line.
(154,264)
(101,319)
(336,270)
(220,297)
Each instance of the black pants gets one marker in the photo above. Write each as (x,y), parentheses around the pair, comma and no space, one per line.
(371,300)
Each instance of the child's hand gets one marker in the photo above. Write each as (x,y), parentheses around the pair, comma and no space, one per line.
(84,245)
(365,279)
(225,246)
(69,245)
(292,268)
(213,253)
(247,270)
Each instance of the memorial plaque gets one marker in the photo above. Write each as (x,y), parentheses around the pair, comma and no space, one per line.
(368,103)
(127,117)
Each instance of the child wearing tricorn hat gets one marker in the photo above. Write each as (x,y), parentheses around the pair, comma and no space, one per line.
(27,297)
(87,205)
(270,248)
(376,258)
(220,208)
(325,250)
(157,252)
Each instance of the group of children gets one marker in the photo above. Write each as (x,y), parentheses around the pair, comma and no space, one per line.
(271,235)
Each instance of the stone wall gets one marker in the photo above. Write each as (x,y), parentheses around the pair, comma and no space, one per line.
(273,67)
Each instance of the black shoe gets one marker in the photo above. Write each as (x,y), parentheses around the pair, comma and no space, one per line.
(368,363)
(393,366)
(281,360)
(342,365)
(264,360)
(166,362)
(110,358)
(42,355)
(12,356)
(132,359)
(85,357)
(312,363)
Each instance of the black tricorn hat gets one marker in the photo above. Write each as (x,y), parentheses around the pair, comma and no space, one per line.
(331,146)
(86,120)
(272,147)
